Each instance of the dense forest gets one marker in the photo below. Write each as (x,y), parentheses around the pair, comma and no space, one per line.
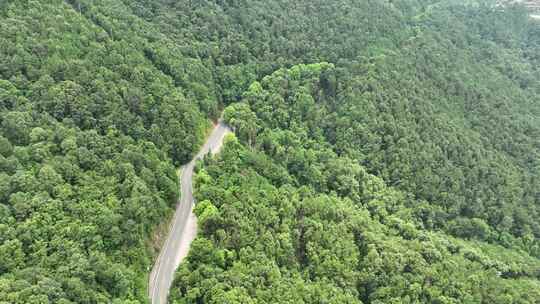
(267,239)
(92,123)
(384,151)
(439,102)
(269,236)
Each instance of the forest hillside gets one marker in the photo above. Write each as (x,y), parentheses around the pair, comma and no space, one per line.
(384,151)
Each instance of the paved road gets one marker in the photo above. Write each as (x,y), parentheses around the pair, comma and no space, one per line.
(184,226)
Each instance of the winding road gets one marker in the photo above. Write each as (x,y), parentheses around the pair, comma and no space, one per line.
(183,228)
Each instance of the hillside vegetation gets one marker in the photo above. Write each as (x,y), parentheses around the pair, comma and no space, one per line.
(385,151)
(430,129)
(91,123)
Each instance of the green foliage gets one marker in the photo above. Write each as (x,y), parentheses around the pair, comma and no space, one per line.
(94,111)
(476,189)
(205,211)
(281,243)
(450,217)
(244,121)
(385,151)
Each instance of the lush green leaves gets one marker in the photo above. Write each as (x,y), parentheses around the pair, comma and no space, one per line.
(386,152)
(280,244)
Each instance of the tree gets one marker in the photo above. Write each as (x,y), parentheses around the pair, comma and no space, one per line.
(244,121)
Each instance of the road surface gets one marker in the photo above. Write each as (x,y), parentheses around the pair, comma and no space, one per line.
(183,228)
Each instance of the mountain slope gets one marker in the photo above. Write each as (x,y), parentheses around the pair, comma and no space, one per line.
(92,119)
(285,218)
(381,145)
(437,98)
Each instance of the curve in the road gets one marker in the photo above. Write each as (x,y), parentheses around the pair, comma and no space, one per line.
(184,225)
